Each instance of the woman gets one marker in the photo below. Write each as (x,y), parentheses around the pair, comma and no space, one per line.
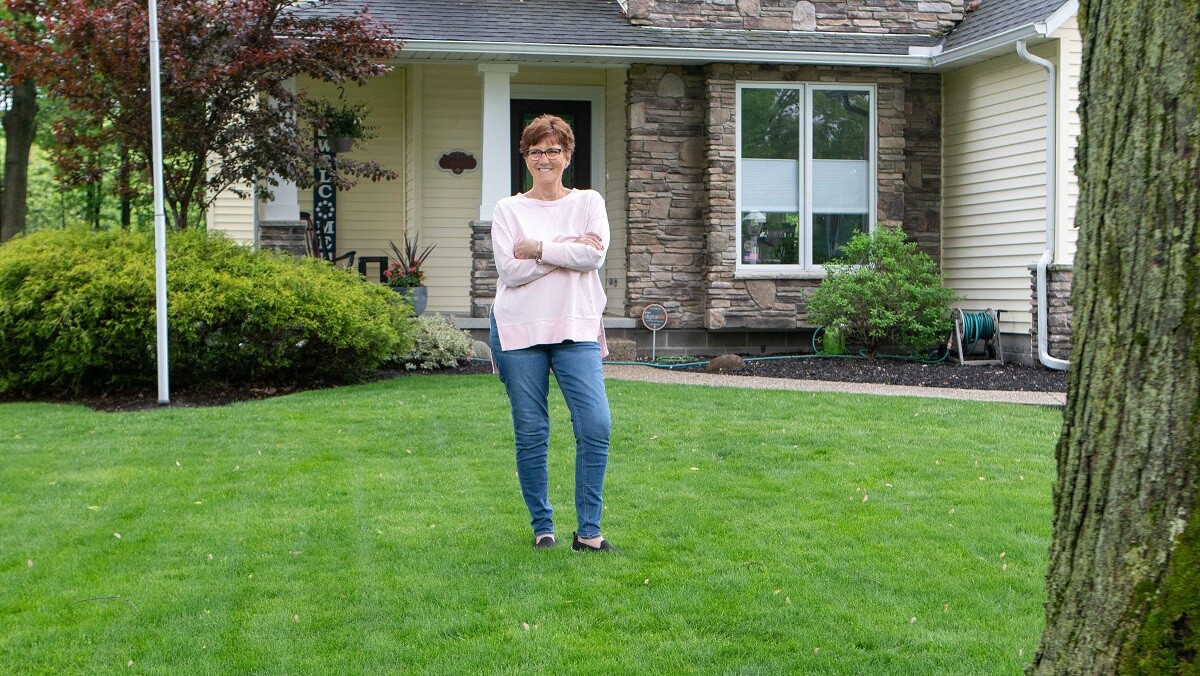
(549,244)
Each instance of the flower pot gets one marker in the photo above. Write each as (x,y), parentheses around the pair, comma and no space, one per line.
(417,295)
(341,143)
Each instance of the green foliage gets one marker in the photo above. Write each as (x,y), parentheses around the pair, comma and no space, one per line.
(438,344)
(882,291)
(77,312)
(342,119)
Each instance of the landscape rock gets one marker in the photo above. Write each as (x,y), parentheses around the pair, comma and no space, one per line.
(726,363)
(621,349)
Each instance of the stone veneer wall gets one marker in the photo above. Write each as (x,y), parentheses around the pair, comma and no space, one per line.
(682,220)
(922,132)
(850,16)
(666,189)
(483,269)
(1058,321)
(287,236)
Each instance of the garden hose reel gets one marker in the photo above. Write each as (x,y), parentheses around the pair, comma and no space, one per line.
(976,337)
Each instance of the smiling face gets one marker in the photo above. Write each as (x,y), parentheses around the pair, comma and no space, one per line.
(541,138)
(546,161)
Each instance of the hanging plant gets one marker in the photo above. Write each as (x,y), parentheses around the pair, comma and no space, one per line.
(342,123)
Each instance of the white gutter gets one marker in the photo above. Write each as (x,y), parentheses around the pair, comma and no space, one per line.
(981,48)
(632,54)
(1043,313)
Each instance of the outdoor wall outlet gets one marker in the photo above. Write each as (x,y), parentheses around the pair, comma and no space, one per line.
(612,281)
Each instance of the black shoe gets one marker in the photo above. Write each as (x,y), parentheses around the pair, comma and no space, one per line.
(605,546)
(544,541)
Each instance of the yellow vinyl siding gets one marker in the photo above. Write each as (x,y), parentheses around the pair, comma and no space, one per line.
(233,216)
(1071,60)
(994,197)
(565,77)
(451,98)
(420,112)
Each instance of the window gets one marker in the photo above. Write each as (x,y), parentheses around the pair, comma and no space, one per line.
(805,173)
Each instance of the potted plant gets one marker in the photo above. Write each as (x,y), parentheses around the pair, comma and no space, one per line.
(342,123)
(404,274)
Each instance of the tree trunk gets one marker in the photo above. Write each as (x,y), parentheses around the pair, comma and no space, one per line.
(19,127)
(1124,576)
(123,188)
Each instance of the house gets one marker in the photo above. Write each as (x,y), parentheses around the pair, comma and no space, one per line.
(737,144)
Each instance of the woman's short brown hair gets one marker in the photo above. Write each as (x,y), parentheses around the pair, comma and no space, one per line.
(548,127)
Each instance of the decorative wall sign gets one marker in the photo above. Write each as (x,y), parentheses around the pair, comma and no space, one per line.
(325,204)
(457,161)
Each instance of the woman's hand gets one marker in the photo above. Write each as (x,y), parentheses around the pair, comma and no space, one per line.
(591,239)
(528,249)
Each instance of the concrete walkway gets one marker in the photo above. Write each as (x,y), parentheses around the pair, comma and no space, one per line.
(650,374)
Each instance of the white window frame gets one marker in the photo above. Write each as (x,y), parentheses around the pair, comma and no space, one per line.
(805,269)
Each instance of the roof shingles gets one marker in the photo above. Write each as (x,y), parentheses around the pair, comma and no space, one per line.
(600,23)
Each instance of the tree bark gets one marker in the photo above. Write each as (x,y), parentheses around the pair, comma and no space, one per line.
(1124,578)
(19,127)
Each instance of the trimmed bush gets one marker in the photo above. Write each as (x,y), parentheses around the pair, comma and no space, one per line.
(77,313)
(438,344)
(881,290)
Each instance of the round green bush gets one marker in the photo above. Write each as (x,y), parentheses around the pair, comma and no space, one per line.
(881,290)
(77,313)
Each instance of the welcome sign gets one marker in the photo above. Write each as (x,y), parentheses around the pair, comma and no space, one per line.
(325,203)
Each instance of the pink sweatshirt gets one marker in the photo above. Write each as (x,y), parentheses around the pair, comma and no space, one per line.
(562,298)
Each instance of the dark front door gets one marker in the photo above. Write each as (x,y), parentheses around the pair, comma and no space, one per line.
(578,114)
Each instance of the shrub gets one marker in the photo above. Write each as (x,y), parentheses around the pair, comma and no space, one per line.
(881,290)
(77,313)
(438,344)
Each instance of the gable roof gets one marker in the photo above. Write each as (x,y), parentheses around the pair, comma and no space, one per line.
(597,32)
(997,25)
(994,17)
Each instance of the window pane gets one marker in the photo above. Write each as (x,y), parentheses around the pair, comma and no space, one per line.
(770,120)
(831,231)
(840,186)
(841,122)
(770,238)
(771,185)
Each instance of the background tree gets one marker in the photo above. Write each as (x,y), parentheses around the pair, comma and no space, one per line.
(228,116)
(1124,576)
(21,46)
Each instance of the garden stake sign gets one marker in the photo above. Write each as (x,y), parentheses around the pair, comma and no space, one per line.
(654,317)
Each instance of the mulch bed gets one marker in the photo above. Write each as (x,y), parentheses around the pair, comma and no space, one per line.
(1010,377)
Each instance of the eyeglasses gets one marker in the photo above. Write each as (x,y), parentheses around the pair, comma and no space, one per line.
(535,154)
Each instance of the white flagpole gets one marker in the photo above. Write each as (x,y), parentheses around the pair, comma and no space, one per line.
(160,217)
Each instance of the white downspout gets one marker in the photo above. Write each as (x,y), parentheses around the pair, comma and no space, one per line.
(1043,314)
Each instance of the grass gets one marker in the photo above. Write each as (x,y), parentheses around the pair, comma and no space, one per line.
(379,528)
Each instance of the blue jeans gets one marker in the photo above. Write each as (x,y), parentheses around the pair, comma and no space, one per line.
(580,375)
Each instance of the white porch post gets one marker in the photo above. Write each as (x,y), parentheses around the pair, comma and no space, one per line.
(285,204)
(495,172)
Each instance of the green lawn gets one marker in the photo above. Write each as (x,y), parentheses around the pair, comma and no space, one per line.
(379,528)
